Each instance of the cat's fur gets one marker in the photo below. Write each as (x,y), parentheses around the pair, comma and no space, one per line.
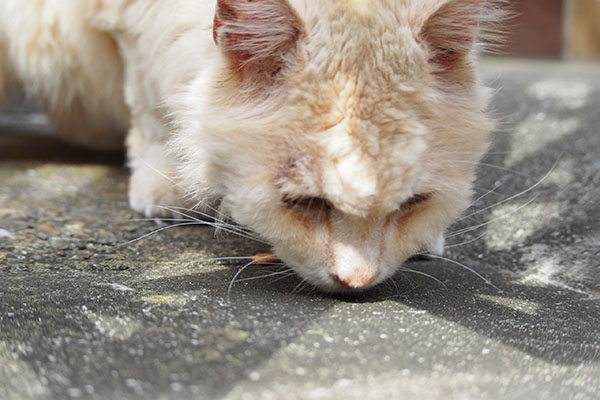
(345,132)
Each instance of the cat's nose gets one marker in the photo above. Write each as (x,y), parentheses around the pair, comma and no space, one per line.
(353,281)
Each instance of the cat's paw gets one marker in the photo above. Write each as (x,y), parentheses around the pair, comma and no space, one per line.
(154,194)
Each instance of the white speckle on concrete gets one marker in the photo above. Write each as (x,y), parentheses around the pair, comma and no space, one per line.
(115,327)
(118,287)
(6,234)
(135,385)
(254,376)
(74,393)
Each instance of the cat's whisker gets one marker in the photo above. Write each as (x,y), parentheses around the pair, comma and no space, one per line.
(502,153)
(393,283)
(157,231)
(299,286)
(289,275)
(215,209)
(381,288)
(237,274)
(494,166)
(464,243)
(311,289)
(413,271)
(469,216)
(505,201)
(194,211)
(529,189)
(190,223)
(466,267)
(153,219)
(483,224)
(286,273)
(221,259)
(219,222)
(184,191)
(179,211)
(487,193)
(218,225)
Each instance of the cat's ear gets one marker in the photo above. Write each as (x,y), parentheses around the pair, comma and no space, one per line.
(449,29)
(256,34)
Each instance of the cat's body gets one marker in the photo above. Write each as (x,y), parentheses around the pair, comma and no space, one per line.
(346,133)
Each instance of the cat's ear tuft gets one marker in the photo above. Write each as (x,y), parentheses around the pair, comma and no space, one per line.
(256,34)
(450,28)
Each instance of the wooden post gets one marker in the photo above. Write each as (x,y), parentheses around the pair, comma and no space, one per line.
(583,29)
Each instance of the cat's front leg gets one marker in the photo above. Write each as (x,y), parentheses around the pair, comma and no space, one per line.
(153,186)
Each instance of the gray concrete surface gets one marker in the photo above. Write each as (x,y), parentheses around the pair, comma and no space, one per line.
(85,314)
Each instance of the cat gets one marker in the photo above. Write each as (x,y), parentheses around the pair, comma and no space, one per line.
(346,133)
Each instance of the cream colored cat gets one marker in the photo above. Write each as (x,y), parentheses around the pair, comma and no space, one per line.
(344,132)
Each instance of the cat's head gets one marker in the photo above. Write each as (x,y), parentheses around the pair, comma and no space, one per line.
(346,133)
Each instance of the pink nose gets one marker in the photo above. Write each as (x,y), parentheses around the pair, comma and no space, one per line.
(354,281)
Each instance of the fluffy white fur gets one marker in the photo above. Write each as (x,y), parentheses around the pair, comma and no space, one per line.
(344,132)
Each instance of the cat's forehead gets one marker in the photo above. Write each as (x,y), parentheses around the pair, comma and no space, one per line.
(366,143)
(367,33)
(359,6)
(368,172)
(360,62)
(360,112)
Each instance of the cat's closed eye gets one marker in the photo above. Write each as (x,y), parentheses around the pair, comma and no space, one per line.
(415,200)
(307,204)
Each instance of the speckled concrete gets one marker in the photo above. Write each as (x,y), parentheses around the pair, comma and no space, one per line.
(85,313)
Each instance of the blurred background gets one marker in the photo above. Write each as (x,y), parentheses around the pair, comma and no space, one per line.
(554,29)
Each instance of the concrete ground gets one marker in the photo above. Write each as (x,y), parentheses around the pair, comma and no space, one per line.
(86,312)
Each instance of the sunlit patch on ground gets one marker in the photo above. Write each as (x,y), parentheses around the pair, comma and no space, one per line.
(513,223)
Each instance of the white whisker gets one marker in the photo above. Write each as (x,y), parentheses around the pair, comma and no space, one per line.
(236,276)
(282,277)
(483,224)
(464,243)
(299,286)
(157,231)
(218,225)
(159,172)
(490,191)
(505,169)
(529,189)
(477,274)
(278,273)
(394,284)
(494,166)
(404,269)
(152,219)
(217,259)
